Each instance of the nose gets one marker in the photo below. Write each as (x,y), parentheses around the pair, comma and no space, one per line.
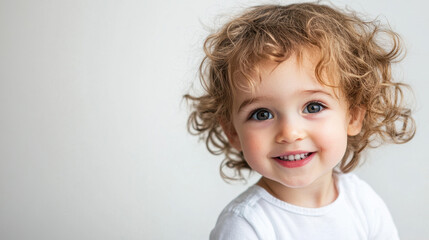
(290,130)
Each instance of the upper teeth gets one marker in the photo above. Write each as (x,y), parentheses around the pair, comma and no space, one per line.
(294,157)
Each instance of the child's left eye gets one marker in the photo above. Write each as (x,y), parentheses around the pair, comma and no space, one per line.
(313,107)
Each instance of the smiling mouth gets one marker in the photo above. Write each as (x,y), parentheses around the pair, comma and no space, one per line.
(294,157)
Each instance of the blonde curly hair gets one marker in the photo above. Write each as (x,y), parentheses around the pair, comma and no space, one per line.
(351,48)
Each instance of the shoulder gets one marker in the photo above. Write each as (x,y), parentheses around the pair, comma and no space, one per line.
(351,180)
(369,205)
(358,191)
(243,218)
(232,226)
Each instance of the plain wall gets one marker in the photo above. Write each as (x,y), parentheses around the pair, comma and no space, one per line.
(93,140)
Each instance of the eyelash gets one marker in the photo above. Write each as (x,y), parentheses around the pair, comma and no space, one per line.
(323,106)
(259,110)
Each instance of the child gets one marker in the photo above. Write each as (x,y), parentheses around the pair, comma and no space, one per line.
(296,93)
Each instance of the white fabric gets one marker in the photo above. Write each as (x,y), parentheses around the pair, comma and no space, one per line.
(357,213)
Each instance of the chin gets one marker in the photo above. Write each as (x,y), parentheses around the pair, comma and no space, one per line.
(296,182)
(305,181)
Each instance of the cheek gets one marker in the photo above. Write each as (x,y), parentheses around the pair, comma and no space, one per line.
(252,146)
(250,143)
(332,137)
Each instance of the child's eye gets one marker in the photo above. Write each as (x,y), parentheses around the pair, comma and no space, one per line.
(313,107)
(261,115)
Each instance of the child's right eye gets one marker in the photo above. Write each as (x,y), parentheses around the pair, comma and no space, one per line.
(261,115)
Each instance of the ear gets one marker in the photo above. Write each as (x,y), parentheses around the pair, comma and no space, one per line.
(356,121)
(231,134)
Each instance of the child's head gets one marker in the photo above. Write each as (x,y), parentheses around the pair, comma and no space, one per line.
(341,53)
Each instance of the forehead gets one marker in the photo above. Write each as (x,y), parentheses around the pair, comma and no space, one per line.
(300,64)
(296,75)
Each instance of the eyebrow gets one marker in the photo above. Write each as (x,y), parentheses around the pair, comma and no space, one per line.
(249,101)
(256,99)
(318,91)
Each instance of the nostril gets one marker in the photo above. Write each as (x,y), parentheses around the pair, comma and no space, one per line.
(290,136)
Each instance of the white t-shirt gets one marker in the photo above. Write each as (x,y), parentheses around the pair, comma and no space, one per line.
(357,213)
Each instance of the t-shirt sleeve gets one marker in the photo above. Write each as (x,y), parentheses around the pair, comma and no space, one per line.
(231,227)
(383,226)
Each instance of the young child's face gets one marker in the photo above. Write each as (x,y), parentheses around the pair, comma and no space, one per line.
(292,129)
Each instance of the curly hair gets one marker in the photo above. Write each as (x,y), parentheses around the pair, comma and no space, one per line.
(359,53)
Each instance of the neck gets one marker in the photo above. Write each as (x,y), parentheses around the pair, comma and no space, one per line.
(320,193)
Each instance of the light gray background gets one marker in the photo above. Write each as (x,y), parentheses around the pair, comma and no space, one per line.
(93,142)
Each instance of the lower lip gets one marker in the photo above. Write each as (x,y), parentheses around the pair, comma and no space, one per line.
(295,164)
